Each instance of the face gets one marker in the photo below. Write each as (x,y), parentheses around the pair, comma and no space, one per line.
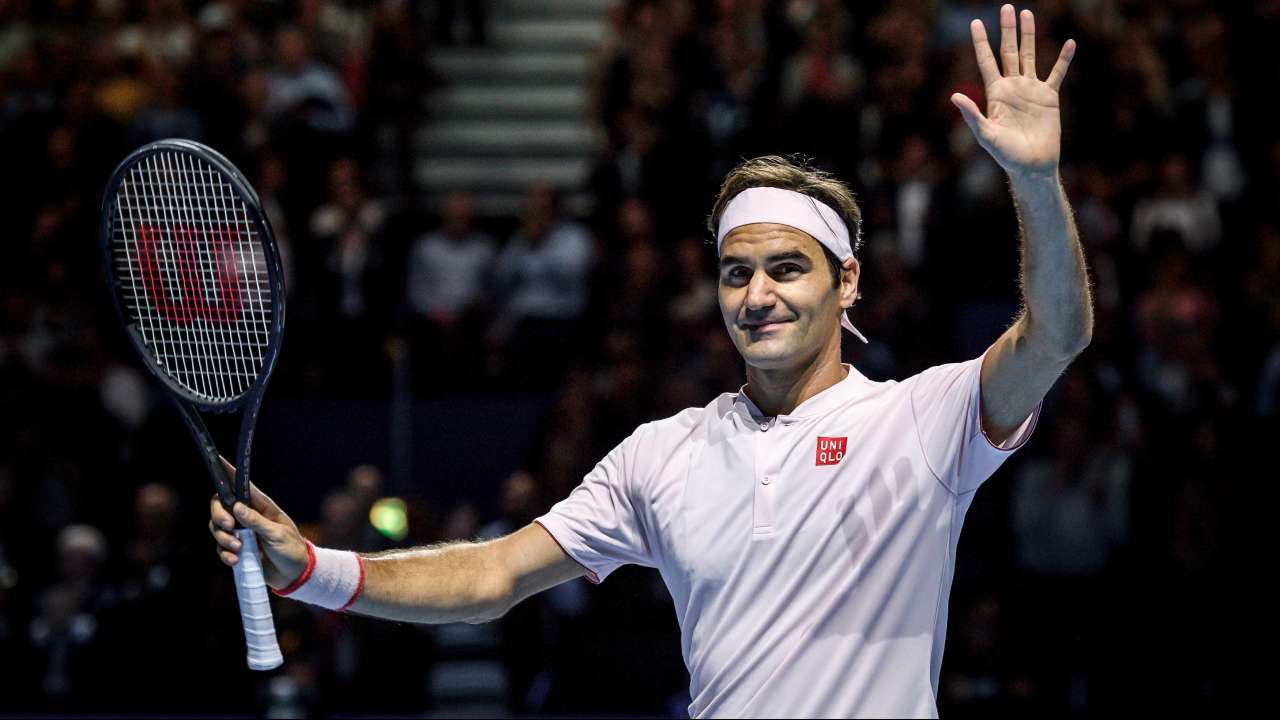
(776,295)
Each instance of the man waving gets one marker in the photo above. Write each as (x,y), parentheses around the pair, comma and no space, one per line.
(805,525)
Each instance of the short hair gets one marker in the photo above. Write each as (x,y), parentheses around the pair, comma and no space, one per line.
(796,173)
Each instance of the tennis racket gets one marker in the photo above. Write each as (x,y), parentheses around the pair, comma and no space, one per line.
(196,278)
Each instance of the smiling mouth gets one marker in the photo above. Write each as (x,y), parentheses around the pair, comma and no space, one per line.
(764,327)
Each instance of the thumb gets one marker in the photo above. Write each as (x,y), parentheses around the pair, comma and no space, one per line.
(268,530)
(970,112)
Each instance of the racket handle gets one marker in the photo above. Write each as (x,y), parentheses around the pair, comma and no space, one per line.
(255,606)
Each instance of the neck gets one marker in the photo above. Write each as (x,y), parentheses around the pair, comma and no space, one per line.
(778,391)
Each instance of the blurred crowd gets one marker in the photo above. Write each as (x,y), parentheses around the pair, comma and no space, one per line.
(1097,566)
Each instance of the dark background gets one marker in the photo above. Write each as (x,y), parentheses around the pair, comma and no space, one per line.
(1101,569)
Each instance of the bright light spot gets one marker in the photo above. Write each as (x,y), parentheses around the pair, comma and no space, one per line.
(390,516)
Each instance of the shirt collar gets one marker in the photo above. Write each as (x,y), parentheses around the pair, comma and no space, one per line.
(820,404)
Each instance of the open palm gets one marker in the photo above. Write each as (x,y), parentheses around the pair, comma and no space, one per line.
(1022,128)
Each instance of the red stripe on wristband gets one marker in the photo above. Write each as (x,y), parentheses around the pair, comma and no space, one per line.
(359,585)
(306,574)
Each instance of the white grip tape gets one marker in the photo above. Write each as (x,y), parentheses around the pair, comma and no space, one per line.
(255,606)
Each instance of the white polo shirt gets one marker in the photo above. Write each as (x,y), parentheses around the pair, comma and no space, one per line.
(809,555)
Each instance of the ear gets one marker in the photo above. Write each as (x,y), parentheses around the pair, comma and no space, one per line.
(850,274)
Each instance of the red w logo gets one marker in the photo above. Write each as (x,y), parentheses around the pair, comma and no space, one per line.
(182,267)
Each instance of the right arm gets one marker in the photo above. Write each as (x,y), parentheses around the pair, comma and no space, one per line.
(463,581)
(455,582)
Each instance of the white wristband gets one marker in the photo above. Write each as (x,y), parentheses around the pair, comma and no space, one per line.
(332,579)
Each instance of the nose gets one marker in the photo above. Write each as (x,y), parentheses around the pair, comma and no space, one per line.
(760,292)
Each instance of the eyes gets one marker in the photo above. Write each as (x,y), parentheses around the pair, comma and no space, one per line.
(741,274)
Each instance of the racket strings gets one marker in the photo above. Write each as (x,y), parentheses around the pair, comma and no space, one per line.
(193,274)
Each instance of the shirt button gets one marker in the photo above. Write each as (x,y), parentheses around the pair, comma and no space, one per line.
(764,426)
(766,479)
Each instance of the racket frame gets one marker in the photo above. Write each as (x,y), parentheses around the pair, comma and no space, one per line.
(248,402)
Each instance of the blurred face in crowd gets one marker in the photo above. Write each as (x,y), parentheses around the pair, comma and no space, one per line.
(292,49)
(155,505)
(344,184)
(457,213)
(777,298)
(539,212)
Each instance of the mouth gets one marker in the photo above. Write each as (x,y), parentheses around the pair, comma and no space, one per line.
(765,327)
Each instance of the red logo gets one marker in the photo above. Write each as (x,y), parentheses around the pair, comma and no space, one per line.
(831,450)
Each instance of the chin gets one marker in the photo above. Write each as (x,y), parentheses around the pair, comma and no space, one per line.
(768,354)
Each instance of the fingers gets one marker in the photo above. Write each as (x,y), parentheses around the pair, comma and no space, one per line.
(982,49)
(1009,40)
(218,515)
(1028,44)
(1060,68)
(225,539)
(221,525)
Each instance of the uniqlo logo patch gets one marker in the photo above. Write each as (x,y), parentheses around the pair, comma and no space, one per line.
(831,450)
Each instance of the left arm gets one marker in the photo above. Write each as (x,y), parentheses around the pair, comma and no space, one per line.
(1022,132)
(1056,322)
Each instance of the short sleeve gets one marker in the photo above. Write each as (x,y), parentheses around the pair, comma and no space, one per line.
(946,404)
(598,524)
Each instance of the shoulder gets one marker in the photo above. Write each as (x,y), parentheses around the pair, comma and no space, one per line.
(673,429)
(945,374)
(658,438)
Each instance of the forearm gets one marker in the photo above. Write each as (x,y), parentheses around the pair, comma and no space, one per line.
(457,582)
(1058,308)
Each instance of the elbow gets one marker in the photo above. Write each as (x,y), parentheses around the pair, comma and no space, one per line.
(494,600)
(1064,342)
(1080,341)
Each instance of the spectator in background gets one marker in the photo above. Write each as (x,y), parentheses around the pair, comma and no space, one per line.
(541,286)
(633,289)
(352,295)
(301,111)
(1177,319)
(165,114)
(694,304)
(160,589)
(1177,206)
(305,88)
(348,230)
(819,86)
(1211,111)
(916,174)
(477,15)
(68,634)
(271,185)
(366,486)
(527,634)
(1070,516)
(734,75)
(166,31)
(366,666)
(449,275)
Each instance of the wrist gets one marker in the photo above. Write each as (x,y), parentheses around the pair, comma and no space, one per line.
(1035,181)
(332,579)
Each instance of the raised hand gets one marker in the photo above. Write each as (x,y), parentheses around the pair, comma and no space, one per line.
(1021,129)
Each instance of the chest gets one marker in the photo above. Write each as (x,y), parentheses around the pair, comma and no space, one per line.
(795,496)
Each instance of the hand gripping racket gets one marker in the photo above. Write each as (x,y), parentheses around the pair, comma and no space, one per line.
(194,271)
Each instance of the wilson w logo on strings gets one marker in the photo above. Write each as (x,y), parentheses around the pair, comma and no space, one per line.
(189,275)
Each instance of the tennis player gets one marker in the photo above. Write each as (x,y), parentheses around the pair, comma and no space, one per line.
(806,525)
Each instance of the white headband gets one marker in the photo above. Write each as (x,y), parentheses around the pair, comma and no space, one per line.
(800,211)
